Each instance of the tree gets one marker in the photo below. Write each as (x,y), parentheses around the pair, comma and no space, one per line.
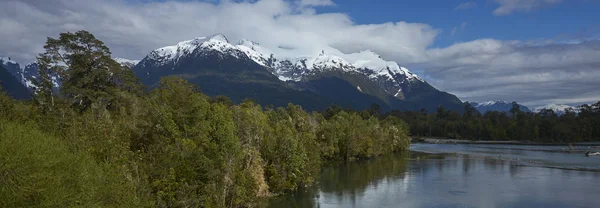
(44,88)
(375,110)
(470,111)
(515,109)
(102,140)
(85,68)
(332,111)
(223,100)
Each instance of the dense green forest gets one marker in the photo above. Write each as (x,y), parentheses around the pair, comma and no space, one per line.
(543,127)
(105,140)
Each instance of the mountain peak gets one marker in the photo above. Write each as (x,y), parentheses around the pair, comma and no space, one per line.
(288,66)
(368,59)
(218,37)
(370,53)
(497,105)
(248,43)
(6,60)
(126,62)
(557,108)
(493,102)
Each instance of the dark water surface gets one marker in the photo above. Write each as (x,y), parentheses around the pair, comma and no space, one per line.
(458,176)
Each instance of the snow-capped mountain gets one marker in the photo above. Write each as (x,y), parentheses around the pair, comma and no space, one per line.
(11,85)
(11,66)
(126,62)
(30,71)
(390,77)
(497,105)
(559,109)
(364,70)
(23,74)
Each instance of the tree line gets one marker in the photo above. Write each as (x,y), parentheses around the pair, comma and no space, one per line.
(545,126)
(102,139)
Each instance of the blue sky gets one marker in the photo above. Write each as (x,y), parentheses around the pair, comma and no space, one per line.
(535,52)
(574,19)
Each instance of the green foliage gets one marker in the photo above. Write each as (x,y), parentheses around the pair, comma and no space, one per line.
(102,141)
(6,105)
(545,126)
(87,72)
(39,170)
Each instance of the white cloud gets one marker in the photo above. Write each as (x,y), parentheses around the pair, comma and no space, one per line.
(510,6)
(476,70)
(533,74)
(316,3)
(466,5)
(133,29)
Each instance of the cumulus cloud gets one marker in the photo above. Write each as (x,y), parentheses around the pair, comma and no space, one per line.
(134,29)
(466,5)
(510,6)
(477,70)
(532,74)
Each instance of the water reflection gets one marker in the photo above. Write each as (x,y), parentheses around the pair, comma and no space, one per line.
(446,180)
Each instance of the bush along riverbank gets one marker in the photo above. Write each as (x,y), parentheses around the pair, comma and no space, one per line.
(103,140)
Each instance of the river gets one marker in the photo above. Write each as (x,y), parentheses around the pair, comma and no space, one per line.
(463,175)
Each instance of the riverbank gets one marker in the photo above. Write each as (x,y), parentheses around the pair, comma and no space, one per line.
(509,142)
(454,176)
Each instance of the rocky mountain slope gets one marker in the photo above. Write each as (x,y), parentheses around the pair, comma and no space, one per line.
(352,80)
(11,85)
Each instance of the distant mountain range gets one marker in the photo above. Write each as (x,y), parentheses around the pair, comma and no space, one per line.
(557,108)
(505,106)
(11,85)
(248,70)
(126,62)
(500,106)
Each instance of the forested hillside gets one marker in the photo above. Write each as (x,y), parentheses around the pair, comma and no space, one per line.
(545,126)
(105,140)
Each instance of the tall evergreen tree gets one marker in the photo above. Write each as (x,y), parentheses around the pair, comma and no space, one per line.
(85,68)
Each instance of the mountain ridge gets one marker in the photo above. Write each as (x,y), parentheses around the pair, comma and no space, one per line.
(395,83)
(11,85)
(497,105)
(559,109)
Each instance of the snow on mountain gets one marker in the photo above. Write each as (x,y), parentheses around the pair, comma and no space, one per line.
(30,71)
(559,109)
(491,102)
(126,62)
(254,51)
(13,67)
(7,60)
(370,60)
(497,105)
(169,54)
(388,74)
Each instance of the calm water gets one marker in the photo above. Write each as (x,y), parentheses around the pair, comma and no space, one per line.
(458,176)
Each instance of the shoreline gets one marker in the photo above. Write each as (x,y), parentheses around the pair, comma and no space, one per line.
(510,142)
